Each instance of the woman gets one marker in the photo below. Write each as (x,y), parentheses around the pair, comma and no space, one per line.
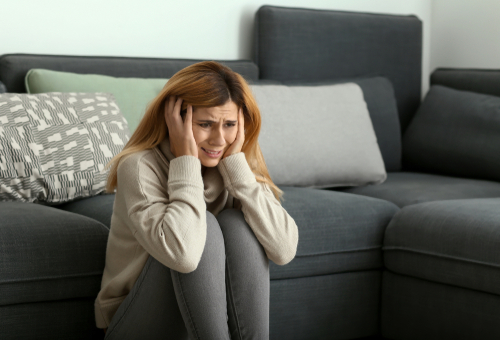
(196,217)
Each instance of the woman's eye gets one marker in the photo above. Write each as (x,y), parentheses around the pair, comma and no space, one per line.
(206,125)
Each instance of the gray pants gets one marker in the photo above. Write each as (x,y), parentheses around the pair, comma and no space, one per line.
(226,297)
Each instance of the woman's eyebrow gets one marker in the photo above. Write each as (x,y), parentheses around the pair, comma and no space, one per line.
(213,121)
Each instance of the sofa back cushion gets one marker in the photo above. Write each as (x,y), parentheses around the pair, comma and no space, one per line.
(318,136)
(131,94)
(318,45)
(13,67)
(455,133)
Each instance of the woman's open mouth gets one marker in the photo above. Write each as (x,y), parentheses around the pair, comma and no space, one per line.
(212,154)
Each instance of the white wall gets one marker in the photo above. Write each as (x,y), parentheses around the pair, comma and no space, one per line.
(465,33)
(200,29)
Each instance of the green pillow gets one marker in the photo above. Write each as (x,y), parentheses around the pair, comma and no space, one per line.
(131,94)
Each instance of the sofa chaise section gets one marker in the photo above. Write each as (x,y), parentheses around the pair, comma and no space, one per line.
(443,271)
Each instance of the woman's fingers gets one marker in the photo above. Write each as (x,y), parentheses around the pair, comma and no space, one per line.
(173,113)
(181,136)
(176,112)
(188,125)
(189,118)
(241,124)
(171,103)
(169,106)
(237,144)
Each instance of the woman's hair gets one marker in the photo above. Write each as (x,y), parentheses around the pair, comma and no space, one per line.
(204,84)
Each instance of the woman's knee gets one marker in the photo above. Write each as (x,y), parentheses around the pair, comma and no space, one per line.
(230,217)
(235,228)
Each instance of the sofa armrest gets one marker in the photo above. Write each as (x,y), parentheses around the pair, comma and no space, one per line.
(476,80)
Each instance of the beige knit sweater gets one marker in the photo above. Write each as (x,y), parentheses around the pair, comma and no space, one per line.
(160,209)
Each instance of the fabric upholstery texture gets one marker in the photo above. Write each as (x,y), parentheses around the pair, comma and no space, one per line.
(48,254)
(51,320)
(338,232)
(378,94)
(453,242)
(338,306)
(455,133)
(131,94)
(317,45)
(405,188)
(13,67)
(481,81)
(328,127)
(421,309)
(54,146)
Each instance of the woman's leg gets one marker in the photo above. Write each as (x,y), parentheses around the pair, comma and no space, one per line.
(201,294)
(247,278)
(150,310)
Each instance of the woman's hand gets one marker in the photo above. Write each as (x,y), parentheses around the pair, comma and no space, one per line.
(236,146)
(181,136)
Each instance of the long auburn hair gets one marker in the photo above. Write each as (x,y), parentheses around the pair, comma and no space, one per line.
(204,84)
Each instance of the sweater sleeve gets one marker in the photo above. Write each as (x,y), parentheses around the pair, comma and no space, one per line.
(271,224)
(168,221)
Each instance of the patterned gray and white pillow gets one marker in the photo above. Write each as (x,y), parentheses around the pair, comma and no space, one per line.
(54,146)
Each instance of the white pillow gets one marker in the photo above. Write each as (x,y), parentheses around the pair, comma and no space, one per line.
(53,146)
(318,136)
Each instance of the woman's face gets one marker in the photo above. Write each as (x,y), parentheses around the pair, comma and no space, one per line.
(214,130)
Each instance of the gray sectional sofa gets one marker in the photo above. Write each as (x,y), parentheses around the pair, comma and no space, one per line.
(415,257)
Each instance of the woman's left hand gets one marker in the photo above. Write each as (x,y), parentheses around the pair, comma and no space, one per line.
(236,146)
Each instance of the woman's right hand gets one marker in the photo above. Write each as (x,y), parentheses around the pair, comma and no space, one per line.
(181,136)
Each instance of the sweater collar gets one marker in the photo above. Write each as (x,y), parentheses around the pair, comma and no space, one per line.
(212,179)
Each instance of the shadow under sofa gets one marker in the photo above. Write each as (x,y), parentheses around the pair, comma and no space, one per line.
(374,260)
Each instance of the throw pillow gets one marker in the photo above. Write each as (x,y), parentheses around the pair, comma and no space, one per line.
(379,96)
(455,133)
(318,136)
(54,146)
(132,94)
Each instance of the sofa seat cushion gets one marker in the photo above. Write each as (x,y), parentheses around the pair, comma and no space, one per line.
(453,242)
(405,188)
(338,232)
(99,207)
(48,254)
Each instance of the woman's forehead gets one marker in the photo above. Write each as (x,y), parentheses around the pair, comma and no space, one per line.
(227,111)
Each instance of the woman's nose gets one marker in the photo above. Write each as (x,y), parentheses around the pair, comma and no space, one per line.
(217,136)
